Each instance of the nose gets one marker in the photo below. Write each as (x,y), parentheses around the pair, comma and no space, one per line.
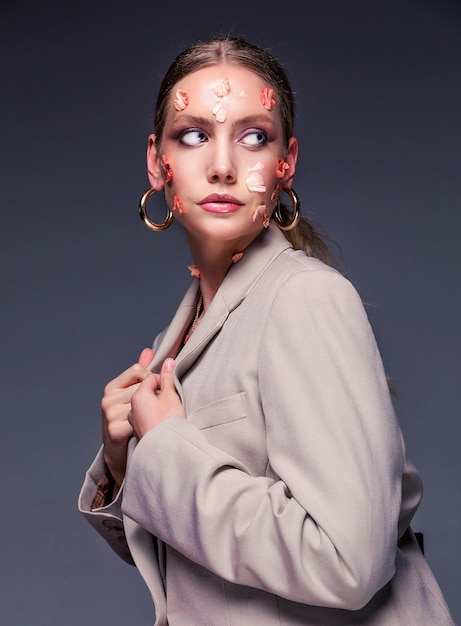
(222,168)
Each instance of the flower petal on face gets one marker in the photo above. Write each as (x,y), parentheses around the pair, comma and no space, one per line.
(281,168)
(222,88)
(181,100)
(262,210)
(267,98)
(220,112)
(194,271)
(167,169)
(254,180)
(236,257)
(275,191)
(178,205)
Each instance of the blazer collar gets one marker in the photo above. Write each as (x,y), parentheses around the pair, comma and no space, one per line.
(267,246)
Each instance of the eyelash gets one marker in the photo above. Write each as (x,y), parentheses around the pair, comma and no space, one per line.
(188,131)
(261,141)
(254,131)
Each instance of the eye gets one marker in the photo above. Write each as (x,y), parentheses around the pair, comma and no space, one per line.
(192,137)
(253,138)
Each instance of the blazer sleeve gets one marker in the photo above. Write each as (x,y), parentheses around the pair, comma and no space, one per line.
(325,531)
(106,520)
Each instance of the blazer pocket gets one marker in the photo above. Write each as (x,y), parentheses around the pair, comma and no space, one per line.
(220,412)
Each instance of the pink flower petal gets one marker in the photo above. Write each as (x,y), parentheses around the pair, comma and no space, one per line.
(167,169)
(220,112)
(281,168)
(262,210)
(275,191)
(194,271)
(181,100)
(254,180)
(178,205)
(222,88)
(267,98)
(236,257)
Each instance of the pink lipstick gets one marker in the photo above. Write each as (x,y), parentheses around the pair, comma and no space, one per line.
(220,203)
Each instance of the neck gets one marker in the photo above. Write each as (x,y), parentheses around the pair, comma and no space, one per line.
(213,260)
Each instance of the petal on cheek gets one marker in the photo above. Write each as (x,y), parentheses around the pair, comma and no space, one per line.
(222,88)
(181,100)
(220,112)
(262,210)
(281,168)
(254,180)
(178,205)
(267,98)
(275,191)
(167,169)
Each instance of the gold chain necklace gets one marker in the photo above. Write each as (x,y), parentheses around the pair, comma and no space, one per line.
(198,310)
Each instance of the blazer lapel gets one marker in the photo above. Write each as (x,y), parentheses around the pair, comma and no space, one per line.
(170,343)
(239,280)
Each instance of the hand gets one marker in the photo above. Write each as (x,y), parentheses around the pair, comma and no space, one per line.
(116,404)
(155,400)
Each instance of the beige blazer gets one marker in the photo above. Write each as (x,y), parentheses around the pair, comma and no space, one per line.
(285,497)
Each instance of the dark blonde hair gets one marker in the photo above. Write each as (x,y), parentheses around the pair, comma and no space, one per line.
(237,51)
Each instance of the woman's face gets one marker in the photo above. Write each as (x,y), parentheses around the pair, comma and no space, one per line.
(222,157)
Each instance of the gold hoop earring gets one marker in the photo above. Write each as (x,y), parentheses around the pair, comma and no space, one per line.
(146,219)
(296,210)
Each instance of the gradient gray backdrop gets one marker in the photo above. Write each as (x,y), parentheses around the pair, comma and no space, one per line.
(85,286)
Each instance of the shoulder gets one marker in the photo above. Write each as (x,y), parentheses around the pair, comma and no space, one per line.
(296,277)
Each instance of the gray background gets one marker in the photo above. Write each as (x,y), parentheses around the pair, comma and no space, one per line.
(85,286)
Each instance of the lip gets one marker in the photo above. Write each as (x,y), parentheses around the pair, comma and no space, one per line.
(220,203)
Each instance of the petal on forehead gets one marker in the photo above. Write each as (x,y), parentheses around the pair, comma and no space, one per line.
(220,112)
(267,98)
(181,100)
(222,88)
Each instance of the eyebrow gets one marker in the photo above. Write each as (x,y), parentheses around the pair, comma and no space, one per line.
(197,120)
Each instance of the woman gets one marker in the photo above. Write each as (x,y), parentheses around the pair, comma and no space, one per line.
(252,467)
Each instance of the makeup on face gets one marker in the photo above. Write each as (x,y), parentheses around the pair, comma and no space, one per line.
(220,203)
(222,151)
(254,179)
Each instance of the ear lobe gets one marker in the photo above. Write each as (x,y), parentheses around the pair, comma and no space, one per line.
(291,158)
(154,169)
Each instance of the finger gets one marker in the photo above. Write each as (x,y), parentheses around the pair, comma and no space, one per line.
(145,357)
(150,384)
(166,375)
(134,374)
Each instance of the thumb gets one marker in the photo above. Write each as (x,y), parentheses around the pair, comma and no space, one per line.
(145,357)
(166,375)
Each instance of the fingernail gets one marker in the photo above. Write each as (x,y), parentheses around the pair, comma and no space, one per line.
(169,365)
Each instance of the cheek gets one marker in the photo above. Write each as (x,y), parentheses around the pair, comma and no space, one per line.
(179,173)
(264,175)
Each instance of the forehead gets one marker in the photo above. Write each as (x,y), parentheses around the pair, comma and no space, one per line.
(206,85)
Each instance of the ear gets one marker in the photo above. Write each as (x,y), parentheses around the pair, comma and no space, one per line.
(291,158)
(154,168)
